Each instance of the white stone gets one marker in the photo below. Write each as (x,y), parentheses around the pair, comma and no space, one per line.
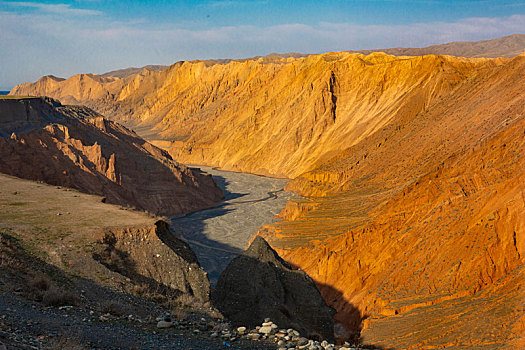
(164,324)
(253,336)
(265,330)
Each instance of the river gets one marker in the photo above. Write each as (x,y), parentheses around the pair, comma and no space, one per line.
(219,234)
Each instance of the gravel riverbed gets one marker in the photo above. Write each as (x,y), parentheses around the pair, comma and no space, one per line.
(219,234)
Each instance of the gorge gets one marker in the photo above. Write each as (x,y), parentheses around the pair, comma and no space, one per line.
(411,168)
(219,234)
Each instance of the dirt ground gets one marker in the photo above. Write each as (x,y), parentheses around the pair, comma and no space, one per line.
(53,295)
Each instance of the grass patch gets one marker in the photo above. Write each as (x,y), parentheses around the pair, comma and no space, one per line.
(18,204)
(58,297)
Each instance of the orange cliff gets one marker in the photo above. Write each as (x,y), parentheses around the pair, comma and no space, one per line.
(274,116)
(413,168)
(441,262)
(428,223)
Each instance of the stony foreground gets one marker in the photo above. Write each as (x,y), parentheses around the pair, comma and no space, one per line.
(29,325)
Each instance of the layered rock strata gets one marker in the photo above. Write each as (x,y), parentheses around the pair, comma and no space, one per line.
(273,116)
(76,147)
(412,168)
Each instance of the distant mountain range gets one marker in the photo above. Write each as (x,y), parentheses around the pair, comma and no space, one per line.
(508,46)
(126,72)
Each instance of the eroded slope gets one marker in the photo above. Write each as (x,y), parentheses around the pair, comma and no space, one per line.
(413,167)
(76,147)
(79,235)
(271,116)
(431,212)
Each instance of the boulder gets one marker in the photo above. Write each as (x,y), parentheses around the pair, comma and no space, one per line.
(259,284)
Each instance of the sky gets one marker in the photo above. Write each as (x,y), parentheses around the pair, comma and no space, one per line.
(64,38)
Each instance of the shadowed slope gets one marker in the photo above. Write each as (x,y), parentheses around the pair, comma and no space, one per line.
(76,147)
(258,284)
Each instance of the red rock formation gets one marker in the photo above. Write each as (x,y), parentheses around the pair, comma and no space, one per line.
(432,212)
(78,148)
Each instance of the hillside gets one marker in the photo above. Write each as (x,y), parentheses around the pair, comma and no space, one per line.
(450,240)
(96,269)
(76,147)
(126,72)
(428,215)
(412,169)
(509,46)
(239,115)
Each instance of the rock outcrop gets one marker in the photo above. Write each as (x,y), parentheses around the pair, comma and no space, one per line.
(258,284)
(27,114)
(95,249)
(154,257)
(75,147)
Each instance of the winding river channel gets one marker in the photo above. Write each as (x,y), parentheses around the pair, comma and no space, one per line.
(219,234)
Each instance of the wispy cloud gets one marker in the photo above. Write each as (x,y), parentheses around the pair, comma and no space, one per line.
(62,9)
(35,44)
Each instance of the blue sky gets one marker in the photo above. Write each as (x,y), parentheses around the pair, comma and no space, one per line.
(67,37)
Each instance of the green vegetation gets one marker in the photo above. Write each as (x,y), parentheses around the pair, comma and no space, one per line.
(18,204)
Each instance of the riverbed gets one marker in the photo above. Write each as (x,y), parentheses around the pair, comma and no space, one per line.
(219,234)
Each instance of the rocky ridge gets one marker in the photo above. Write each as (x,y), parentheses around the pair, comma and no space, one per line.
(425,237)
(149,255)
(78,148)
(237,115)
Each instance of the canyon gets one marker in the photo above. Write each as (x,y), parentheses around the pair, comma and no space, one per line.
(219,234)
(411,168)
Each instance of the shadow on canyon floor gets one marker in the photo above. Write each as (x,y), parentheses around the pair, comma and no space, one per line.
(223,184)
(215,256)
